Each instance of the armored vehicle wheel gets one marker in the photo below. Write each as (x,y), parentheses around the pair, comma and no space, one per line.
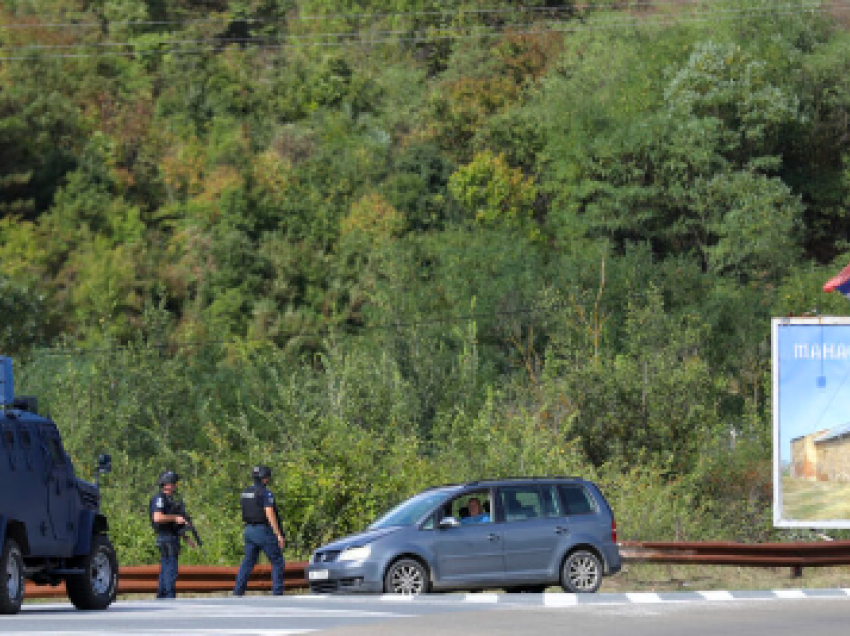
(406,576)
(95,589)
(581,572)
(11,578)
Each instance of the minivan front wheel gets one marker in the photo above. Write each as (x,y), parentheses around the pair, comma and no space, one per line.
(406,576)
(581,572)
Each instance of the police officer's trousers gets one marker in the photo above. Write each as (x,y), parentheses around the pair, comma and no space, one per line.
(169,552)
(260,537)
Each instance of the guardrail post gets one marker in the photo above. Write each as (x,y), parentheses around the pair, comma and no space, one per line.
(797,572)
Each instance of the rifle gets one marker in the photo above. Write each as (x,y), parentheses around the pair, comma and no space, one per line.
(188,527)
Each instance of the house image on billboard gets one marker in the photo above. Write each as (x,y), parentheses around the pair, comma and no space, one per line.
(822,456)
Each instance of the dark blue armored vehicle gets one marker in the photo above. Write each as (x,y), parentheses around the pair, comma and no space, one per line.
(51,526)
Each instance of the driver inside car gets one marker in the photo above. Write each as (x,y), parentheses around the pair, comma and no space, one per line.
(476,513)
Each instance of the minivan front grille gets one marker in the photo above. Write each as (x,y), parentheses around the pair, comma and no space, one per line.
(324,587)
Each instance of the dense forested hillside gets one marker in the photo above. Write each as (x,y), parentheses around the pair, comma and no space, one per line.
(380,245)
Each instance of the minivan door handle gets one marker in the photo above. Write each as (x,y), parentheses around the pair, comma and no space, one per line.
(561,530)
(493,536)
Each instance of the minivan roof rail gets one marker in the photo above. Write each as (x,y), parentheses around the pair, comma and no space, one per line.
(535,478)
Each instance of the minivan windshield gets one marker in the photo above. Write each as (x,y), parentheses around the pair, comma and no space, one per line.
(411,510)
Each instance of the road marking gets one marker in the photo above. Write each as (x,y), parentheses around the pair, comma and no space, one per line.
(397,597)
(716,595)
(171,630)
(559,600)
(644,597)
(481,598)
(789,593)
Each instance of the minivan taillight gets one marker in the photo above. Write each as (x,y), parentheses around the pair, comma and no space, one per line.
(613,531)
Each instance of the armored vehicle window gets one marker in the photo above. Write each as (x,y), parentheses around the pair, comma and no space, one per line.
(25,441)
(9,444)
(56,452)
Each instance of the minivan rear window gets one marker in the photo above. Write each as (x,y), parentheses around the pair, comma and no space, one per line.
(577,500)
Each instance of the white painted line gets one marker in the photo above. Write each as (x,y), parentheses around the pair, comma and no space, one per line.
(643,597)
(171,630)
(846,590)
(789,593)
(557,599)
(396,597)
(717,595)
(311,596)
(192,611)
(481,598)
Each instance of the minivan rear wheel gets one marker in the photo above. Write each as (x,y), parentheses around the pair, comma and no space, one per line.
(581,572)
(406,576)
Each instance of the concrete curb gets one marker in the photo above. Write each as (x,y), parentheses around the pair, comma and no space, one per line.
(563,599)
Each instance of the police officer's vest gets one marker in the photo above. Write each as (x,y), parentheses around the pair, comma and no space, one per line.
(168,509)
(253,510)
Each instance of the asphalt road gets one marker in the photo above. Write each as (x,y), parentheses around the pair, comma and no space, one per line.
(786,613)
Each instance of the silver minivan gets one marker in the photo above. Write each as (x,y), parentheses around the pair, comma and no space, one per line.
(522,535)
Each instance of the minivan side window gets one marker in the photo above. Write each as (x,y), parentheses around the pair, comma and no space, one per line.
(520,503)
(577,500)
(551,502)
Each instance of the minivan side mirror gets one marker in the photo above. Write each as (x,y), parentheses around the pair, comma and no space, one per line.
(448,522)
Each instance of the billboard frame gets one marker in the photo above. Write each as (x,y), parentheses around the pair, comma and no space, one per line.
(779,519)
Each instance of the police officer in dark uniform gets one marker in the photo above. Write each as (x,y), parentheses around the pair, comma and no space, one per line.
(166,520)
(262,531)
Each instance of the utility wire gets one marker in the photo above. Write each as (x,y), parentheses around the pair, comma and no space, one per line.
(440,36)
(271,40)
(348,330)
(621,5)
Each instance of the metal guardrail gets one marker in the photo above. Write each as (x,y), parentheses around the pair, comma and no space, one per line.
(794,555)
(200,578)
(142,579)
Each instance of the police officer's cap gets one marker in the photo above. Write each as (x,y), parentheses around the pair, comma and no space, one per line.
(261,472)
(168,477)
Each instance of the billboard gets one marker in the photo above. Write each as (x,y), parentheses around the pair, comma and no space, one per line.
(811,422)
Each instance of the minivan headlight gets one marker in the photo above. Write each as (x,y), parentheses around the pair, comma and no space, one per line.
(355,554)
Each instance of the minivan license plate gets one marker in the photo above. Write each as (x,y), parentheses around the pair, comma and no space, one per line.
(317,575)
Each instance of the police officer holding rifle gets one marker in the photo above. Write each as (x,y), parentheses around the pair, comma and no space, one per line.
(168,520)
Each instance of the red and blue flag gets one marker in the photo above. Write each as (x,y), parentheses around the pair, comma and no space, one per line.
(840,283)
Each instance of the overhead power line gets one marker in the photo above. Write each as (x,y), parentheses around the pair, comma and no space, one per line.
(271,40)
(326,331)
(359,38)
(614,5)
